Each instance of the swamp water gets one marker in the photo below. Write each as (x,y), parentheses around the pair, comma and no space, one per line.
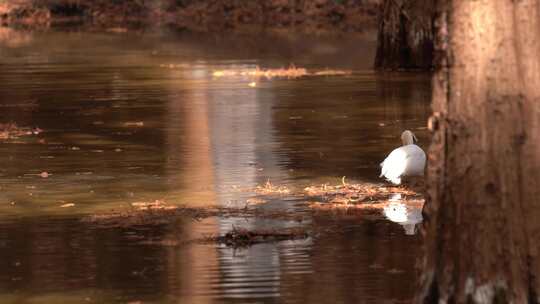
(126,118)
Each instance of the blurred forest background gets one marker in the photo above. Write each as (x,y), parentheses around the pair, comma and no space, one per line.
(306,15)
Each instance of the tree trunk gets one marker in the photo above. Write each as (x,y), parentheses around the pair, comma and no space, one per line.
(482,235)
(405,38)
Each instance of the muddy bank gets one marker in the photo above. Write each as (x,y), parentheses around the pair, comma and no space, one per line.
(204,15)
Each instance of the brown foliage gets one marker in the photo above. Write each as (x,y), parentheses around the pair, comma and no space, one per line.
(200,15)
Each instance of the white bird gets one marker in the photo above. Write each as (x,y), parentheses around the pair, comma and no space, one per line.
(407,160)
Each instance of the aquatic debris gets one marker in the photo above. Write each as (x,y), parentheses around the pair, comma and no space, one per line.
(165,242)
(373,196)
(376,205)
(134,124)
(295,117)
(291,72)
(269,188)
(11,130)
(84,173)
(158,213)
(143,216)
(67,205)
(237,237)
(330,72)
(241,237)
(155,205)
(44,174)
(255,201)
(175,66)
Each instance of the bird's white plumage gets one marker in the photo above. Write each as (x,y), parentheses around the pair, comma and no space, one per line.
(407,160)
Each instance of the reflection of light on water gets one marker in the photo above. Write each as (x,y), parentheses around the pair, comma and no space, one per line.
(240,125)
(240,270)
(259,271)
(398,212)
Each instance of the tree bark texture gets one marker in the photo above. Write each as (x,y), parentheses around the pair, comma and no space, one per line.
(482,233)
(406,32)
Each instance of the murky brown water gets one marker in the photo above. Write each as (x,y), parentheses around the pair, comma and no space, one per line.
(121,125)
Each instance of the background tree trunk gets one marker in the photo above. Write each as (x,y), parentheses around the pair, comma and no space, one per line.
(405,38)
(482,235)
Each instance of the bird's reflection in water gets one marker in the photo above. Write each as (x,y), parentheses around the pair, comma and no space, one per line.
(406,216)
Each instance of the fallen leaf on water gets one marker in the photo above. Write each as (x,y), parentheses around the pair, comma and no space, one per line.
(156,204)
(84,173)
(134,124)
(255,201)
(269,188)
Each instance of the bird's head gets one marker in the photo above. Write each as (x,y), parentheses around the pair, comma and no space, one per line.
(408,138)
